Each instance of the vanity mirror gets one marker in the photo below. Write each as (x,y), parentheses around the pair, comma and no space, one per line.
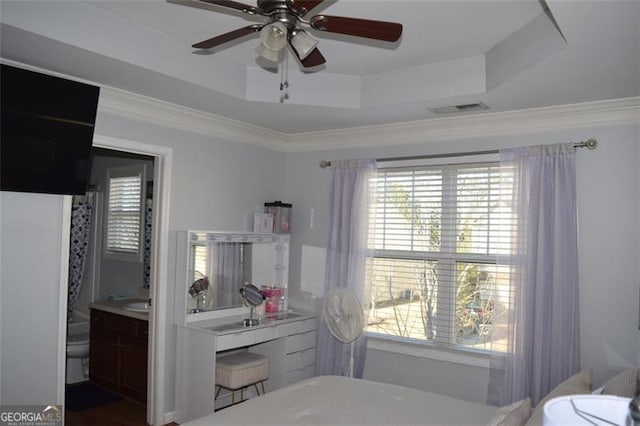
(228,261)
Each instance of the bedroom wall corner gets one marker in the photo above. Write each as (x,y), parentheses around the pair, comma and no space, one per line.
(609,244)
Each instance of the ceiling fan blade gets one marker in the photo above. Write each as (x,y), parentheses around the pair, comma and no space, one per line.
(251,10)
(226,37)
(378,30)
(302,7)
(313,59)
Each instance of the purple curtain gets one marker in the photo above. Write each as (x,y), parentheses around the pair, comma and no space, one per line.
(346,257)
(541,324)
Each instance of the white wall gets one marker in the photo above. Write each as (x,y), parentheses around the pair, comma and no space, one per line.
(608,180)
(609,254)
(637,243)
(215,185)
(31,232)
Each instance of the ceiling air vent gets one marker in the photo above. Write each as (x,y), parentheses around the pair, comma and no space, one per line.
(478,106)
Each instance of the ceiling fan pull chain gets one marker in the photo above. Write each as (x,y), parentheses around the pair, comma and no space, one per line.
(284,78)
(286,69)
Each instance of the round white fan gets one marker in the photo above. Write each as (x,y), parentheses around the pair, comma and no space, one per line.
(344,317)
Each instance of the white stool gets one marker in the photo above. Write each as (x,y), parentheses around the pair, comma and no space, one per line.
(239,371)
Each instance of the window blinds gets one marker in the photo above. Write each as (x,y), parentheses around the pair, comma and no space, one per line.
(435,235)
(124,215)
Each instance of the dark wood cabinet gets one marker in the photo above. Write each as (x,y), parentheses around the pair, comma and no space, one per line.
(118,354)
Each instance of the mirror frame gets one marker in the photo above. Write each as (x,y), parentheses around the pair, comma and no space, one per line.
(279,242)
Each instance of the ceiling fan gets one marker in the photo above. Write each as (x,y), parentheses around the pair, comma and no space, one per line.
(285,18)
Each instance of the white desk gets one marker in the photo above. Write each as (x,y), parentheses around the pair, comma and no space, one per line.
(288,340)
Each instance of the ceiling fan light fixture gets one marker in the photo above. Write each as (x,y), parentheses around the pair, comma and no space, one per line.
(268,54)
(274,36)
(303,43)
(282,29)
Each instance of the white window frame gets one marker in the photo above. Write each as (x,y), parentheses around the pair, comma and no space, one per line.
(121,172)
(436,349)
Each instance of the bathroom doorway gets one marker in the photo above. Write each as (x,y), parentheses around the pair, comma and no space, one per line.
(93,273)
(162,158)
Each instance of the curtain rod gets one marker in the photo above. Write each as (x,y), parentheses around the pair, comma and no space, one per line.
(590,143)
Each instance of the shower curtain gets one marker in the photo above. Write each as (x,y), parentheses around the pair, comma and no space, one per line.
(148,233)
(81,216)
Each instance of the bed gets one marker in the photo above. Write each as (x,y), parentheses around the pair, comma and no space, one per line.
(330,400)
(333,400)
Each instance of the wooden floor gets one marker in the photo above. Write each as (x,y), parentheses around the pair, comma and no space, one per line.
(120,413)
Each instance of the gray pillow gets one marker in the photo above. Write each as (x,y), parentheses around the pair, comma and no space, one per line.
(515,414)
(623,384)
(579,383)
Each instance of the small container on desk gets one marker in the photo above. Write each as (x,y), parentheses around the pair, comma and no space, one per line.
(273,296)
(281,216)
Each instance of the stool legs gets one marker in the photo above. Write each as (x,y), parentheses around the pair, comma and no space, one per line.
(233,392)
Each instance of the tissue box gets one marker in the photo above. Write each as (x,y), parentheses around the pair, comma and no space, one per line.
(263,223)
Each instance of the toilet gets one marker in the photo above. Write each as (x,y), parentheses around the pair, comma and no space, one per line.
(77,357)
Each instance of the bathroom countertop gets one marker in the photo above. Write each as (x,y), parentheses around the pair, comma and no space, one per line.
(118,307)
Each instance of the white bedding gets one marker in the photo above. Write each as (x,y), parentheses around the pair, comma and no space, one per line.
(330,400)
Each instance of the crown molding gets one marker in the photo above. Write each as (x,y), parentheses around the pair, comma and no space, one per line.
(154,111)
(527,121)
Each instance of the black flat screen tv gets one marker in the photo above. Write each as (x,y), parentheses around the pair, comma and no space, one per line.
(46,132)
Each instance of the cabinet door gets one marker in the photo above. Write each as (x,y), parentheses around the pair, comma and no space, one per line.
(133,368)
(103,365)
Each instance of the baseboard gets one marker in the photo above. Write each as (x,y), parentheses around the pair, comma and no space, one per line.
(169,417)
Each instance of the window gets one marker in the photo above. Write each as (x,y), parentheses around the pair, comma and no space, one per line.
(124,220)
(436,233)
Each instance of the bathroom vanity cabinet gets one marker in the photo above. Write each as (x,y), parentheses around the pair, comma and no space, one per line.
(118,354)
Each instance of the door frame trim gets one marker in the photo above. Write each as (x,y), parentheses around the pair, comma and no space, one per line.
(156,368)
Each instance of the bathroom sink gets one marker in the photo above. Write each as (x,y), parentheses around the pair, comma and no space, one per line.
(137,306)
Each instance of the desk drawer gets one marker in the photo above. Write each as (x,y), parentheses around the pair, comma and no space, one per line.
(300,374)
(307,325)
(300,342)
(295,327)
(287,329)
(264,334)
(235,340)
(298,360)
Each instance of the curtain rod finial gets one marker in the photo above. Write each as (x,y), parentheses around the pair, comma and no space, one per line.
(591,143)
(324,164)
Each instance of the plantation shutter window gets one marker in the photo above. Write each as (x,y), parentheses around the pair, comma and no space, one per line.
(437,233)
(124,213)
